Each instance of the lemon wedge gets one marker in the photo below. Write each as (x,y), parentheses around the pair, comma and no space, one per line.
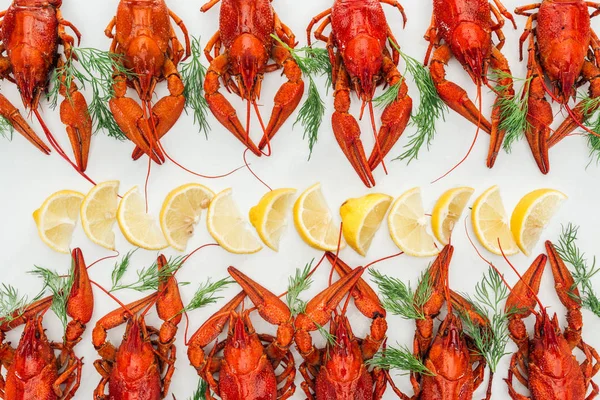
(99,213)
(57,217)
(408,225)
(362,218)
(181,212)
(532,214)
(228,228)
(490,223)
(314,221)
(447,212)
(139,227)
(269,216)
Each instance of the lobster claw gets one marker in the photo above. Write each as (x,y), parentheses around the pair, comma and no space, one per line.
(74,114)
(80,305)
(523,298)
(12,114)
(347,133)
(20,317)
(168,304)
(466,308)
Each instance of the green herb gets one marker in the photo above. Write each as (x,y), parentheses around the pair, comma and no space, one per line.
(584,272)
(296,285)
(328,336)
(6,128)
(400,358)
(148,278)
(491,340)
(193,74)
(312,62)
(95,68)
(60,286)
(388,96)
(205,294)
(200,392)
(12,304)
(121,267)
(513,109)
(589,108)
(399,298)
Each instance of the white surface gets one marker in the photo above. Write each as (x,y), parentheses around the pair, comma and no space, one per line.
(28,177)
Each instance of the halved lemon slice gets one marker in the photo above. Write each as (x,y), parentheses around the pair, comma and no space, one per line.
(362,218)
(99,213)
(314,221)
(57,217)
(228,228)
(447,212)
(408,225)
(532,214)
(269,216)
(490,223)
(139,227)
(181,212)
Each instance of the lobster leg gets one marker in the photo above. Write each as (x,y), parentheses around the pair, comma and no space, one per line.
(289,94)
(221,107)
(395,116)
(12,114)
(367,302)
(499,63)
(347,131)
(453,95)
(313,22)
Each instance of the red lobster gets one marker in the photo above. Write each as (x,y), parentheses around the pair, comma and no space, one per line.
(339,370)
(245,29)
(143,36)
(545,362)
(32,30)
(466,27)
(564,48)
(33,369)
(247,369)
(142,366)
(360,32)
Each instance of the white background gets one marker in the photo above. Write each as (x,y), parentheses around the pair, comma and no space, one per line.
(28,177)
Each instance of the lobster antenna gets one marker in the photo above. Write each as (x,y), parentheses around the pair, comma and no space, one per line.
(109,294)
(262,125)
(247,165)
(58,148)
(117,254)
(337,252)
(377,145)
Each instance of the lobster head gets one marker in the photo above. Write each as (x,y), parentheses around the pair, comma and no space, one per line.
(243,350)
(363,60)
(34,352)
(449,352)
(135,348)
(471,45)
(146,60)
(563,64)
(248,56)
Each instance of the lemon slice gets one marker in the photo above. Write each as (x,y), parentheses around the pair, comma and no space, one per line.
(447,212)
(228,228)
(490,223)
(139,227)
(362,218)
(532,214)
(181,212)
(57,217)
(99,213)
(408,225)
(269,216)
(314,221)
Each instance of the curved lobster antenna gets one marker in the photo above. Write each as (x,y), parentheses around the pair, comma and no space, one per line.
(337,252)
(377,145)
(472,143)
(109,294)
(247,165)
(58,148)
(117,254)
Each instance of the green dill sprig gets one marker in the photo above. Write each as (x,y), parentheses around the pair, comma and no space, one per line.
(121,267)
(328,336)
(399,298)
(93,68)
(297,284)
(193,73)
(60,287)
(584,272)
(388,96)
(589,108)
(206,294)
(148,278)
(6,128)
(399,358)
(13,304)
(312,62)
(513,109)
(490,341)
(200,392)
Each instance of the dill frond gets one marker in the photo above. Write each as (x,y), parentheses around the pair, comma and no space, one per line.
(13,304)
(589,108)
(6,129)
(192,75)
(297,284)
(399,298)
(328,336)
(399,358)
(121,267)
(60,286)
(200,392)
(583,271)
(148,278)
(206,293)
(388,96)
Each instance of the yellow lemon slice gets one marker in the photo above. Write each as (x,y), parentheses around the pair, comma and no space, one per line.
(532,214)
(181,212)
(228,228)
(447,212)
(99,213)
(269,216)
(139,227)
(490,223)
(408,225)
(362,218)
(57,217)
(314,221)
